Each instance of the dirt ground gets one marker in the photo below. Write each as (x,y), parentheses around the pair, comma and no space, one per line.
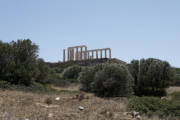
(19,105)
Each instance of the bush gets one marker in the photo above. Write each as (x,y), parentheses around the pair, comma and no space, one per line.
(112,81)
(151,76)
(4,84)
(177,77)
(86,77)
(71,72)
(154,106)
(44,71)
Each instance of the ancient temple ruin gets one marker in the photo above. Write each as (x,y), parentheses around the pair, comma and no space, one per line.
(79,53)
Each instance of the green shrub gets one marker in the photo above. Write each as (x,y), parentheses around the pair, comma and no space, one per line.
(176,97)
(4,84)
(71,72)
(44,71)
(86,78)
(177,77)
(154,106)
(112,81)
(58,69)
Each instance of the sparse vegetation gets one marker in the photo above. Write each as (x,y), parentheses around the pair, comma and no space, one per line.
(154,106)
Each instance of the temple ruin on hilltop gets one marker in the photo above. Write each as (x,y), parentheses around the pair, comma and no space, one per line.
(79,53)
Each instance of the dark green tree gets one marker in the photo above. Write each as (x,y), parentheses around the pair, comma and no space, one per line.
(151,76)
(86,77)
(112,81)
(71,72)
(18,62)
(25,59)
(44,71)
(134,70)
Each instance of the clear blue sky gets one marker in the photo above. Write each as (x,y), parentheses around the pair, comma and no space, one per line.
(134,29)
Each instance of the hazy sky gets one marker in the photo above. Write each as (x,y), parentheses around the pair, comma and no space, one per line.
(134,29)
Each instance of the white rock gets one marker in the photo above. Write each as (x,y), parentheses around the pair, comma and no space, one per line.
(50,115)
(26,119)
(81,108)
(57,98)
(138,117)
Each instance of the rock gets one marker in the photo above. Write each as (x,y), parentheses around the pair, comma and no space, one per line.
(109,114)
(81,108)
(57,98)
(48,101)
(50,115)
(138,117)
(81,97)
(135,114)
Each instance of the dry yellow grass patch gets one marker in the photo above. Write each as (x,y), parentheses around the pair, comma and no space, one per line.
(17,105)
(170,90)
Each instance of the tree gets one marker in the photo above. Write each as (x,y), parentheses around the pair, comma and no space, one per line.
(18,61)
(44,71)
(86,77)
(6,60)
(24,56)
(152,76)
(113,80)
(71,72)
(134,70)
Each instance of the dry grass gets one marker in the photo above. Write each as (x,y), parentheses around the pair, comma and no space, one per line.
(18,105)
(71,87)
(170,90)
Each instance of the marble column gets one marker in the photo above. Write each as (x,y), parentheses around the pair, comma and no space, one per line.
(64,55)
(85,54)
(88,55)
(76,53)
(81,53)
(105,53)
(96,54)
(110,53)
(101,53)
(93,54)
(72,54)
(68,54)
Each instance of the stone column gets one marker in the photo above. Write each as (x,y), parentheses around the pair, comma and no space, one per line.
(105,53)
(101,53)
(72,54)
(110,53)
(93,54)
(88,55)
(96,54)
(64,55)
(76,53)
(85,54)
(68,54)
(81,53)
